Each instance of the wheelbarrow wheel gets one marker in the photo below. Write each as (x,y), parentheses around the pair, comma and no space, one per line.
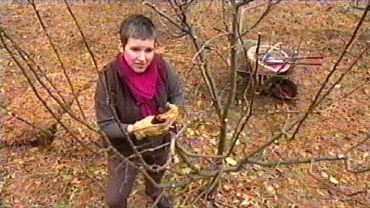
(283,89)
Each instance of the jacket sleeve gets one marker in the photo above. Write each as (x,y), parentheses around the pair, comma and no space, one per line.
(175,91)
(105,112)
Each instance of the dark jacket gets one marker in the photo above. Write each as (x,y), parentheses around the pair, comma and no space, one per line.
(126,109)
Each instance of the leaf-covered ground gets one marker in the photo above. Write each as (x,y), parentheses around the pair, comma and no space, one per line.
(66,174)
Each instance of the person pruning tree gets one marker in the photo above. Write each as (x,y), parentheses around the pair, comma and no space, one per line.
(137,101)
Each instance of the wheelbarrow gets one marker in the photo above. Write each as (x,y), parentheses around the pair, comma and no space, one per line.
(271,69)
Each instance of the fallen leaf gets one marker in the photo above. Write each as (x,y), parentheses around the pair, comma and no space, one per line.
(231,161)
(324,175)
(333,180)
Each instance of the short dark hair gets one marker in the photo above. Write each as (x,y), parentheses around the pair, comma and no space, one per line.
(138,27)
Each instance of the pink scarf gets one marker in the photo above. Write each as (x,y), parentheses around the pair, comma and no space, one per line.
(144,87)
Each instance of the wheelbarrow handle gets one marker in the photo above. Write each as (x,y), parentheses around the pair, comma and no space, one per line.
(298,57)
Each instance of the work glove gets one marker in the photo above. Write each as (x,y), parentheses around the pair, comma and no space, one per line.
(146,128)
(173,114)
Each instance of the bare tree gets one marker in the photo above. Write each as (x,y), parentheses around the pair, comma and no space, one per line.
(233,16)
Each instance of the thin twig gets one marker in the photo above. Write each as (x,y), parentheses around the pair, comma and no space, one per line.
(165,16)
(82,35)
(17,117)
(63,105)
(357,87)
(205,45)
(58,57)
(334,69)
(58,119)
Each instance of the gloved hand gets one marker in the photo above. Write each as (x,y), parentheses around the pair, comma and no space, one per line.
(145,128)
(172,115)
